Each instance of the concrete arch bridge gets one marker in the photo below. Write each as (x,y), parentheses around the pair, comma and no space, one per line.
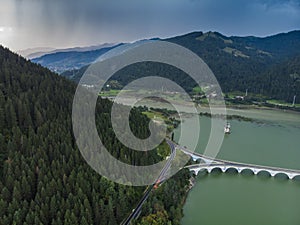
(209,164)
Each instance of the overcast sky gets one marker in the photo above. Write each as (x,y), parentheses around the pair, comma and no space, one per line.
(68,23)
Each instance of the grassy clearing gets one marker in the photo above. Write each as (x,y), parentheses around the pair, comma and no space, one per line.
(168,117)
(109,93)
(155,115)
(150,114)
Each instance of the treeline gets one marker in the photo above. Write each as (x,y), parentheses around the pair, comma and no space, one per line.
(164,206)
(44,179)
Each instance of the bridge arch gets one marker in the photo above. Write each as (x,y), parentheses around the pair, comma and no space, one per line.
(216,169)
(296,177)
(231,169)
(247,171)
(282,175)
(264,173)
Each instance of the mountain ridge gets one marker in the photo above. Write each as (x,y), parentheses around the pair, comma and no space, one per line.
(65,60)
(239,63)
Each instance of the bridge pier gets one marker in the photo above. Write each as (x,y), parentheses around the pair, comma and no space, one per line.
(272,173)
(292,176)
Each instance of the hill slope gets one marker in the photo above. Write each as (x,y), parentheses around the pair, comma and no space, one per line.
(236,60)
(43,177)
(281,81)
(239,63)
(69,60)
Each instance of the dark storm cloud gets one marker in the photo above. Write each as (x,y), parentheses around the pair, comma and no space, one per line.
(61,23)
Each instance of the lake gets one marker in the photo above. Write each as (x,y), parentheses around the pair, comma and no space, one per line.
(234,199)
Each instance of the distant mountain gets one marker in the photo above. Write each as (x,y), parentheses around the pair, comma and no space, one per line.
(61,60)
(70,59)
(275,46)
(237,60)
(84,49)
(239,63)
(35,52)
(32,53)
(76,74)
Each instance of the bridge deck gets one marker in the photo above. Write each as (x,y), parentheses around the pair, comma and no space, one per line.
(237,165)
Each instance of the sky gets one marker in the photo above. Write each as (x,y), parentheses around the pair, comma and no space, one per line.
(69,23)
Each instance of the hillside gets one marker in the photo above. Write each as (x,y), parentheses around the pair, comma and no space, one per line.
(239,63)
(32,53)
(236,60)
(281,81)
(60,61)
(43,178)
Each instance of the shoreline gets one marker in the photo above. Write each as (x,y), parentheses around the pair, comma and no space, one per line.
(251,107)
(228,117)
(259,114)
(258,106)
(255,114)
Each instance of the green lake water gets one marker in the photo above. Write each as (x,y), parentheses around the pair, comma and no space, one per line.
(235,199)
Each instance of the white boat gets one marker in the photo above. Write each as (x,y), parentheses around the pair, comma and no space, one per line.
(227,128)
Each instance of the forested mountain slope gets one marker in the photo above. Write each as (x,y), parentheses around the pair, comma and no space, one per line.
(44,179)
(282,81)
(239,63)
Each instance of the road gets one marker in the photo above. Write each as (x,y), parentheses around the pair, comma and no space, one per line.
(160,178)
